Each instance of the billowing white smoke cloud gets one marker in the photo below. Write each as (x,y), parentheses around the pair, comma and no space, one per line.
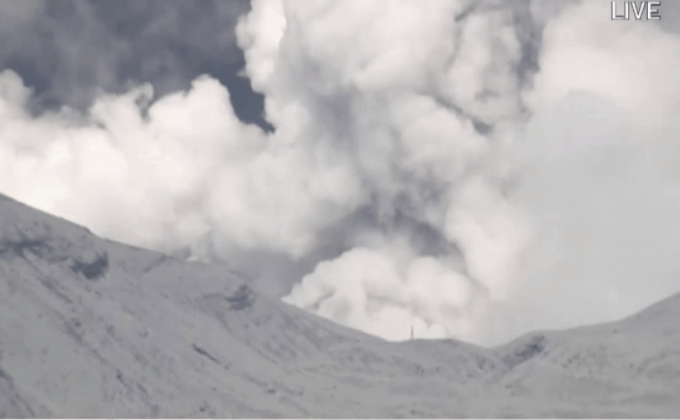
(392,171)
(600,174)
(418,101)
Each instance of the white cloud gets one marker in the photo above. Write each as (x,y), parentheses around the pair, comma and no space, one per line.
(598,176)
(400,90)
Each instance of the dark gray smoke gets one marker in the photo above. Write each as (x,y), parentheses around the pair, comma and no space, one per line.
(70,50)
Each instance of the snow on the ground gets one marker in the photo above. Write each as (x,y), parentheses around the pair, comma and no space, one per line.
(92,328)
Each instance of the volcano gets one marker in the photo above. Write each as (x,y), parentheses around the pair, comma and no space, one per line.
(95,328)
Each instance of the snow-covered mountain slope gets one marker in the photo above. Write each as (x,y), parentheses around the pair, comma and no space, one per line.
(92,328)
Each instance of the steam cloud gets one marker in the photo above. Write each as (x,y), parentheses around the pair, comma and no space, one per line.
(474,169)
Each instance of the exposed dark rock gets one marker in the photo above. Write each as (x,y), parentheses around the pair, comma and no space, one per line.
(241,299)
(92,270)
(523,351)
(204,353)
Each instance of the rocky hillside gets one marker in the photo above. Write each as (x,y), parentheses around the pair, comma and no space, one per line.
(92,328)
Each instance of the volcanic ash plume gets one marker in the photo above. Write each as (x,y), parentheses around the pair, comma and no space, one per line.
(402,112)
